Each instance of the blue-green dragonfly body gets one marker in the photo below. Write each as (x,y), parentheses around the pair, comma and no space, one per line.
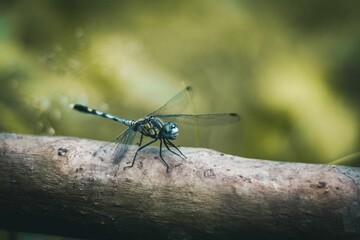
(153,126)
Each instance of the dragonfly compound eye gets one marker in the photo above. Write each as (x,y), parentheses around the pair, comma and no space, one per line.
(171,131)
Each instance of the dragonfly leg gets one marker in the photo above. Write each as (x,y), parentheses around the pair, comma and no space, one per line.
(167,146)
(141,138)
(169,142)
(167,166)
(133,162)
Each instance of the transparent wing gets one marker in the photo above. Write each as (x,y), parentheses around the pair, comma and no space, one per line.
(177,103)
(122,144)
(202,119)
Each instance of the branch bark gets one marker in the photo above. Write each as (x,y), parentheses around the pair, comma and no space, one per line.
(56,185)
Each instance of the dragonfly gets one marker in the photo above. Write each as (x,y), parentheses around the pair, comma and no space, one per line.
(159,126)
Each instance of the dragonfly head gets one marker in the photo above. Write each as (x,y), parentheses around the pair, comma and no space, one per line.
(170,131)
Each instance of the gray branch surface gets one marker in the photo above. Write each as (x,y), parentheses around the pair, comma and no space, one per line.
(58,185)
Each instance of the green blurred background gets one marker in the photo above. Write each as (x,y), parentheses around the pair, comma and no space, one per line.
(291,69)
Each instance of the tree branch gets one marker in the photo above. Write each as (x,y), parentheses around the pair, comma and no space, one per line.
(56,185)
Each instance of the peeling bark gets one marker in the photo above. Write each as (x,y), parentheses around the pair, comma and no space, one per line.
(57,185)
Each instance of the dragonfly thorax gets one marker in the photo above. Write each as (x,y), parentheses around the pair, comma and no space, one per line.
(153,127)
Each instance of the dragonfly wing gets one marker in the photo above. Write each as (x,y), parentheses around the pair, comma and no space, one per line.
(202,119)
(122,144)
(177,103)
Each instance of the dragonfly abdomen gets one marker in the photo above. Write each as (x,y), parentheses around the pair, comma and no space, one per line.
(85,109)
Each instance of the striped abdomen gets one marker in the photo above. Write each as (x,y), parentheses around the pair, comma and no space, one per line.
(85,109)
